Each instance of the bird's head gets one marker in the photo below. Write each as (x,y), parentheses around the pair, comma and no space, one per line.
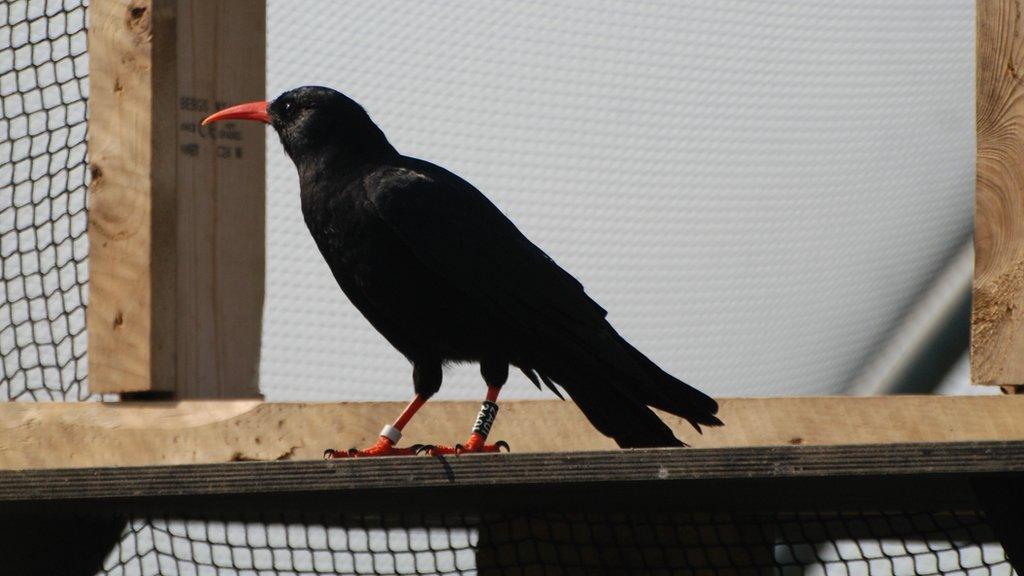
(314,121)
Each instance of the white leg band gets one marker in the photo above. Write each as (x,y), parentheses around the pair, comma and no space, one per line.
(391,433)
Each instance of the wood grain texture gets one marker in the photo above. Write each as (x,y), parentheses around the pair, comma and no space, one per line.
(177,209)
(221,59)
(497,471)
(34,436)
(997,327)
(123,37)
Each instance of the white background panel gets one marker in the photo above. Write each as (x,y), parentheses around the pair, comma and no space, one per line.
(755,190)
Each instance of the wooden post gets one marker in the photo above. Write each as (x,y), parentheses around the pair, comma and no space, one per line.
(997,325)
(176,219)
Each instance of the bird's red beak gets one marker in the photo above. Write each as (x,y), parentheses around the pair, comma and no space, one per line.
(249,111)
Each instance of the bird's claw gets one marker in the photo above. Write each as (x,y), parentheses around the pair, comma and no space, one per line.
(468,448)
(382,448)
(496,447)
(331,454)
(435,450)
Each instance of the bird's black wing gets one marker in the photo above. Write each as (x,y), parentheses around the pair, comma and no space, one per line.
(457,232)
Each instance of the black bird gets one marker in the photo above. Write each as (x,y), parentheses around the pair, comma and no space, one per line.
(445,277)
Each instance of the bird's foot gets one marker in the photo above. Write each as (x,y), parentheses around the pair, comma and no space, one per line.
(383,447)
(475,445)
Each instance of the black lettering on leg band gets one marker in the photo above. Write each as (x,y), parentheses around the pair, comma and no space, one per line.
(484,420)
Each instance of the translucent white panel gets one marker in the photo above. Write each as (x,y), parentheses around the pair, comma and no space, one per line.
(755,190)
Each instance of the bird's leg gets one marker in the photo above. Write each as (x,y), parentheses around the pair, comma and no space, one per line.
(482,427)
(389,436)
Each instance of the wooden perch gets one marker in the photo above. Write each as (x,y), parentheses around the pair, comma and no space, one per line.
(48,435)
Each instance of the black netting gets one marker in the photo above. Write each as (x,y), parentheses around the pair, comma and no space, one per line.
(43,292)
(549,543)
(43,181)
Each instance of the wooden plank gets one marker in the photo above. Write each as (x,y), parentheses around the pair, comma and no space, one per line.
(176,210)
(997,327)
(221,58)
(123,36)
(138,434)
(499,472)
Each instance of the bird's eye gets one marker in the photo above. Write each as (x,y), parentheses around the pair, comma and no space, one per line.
(289,107)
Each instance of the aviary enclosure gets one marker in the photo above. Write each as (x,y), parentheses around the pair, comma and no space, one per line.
(184,469)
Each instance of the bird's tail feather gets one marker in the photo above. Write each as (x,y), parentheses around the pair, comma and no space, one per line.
(666,392)
(536,378)
(614,385)
(614,414)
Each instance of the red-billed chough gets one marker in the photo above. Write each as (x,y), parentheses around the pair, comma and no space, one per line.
(444,276)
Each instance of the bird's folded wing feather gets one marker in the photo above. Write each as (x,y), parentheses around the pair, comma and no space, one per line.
(457,232)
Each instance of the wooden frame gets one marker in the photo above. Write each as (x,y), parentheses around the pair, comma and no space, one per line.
(36,436)
(176,291)
(176,218)
(176,297)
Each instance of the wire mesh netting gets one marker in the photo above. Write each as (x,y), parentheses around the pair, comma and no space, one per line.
(43,182)
(552,543)
(43,293)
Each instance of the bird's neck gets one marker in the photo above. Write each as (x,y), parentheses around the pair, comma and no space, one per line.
(330,178)
(341,162)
